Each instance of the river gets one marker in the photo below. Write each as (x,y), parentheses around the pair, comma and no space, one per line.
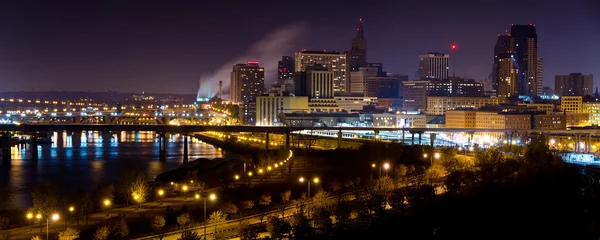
(86,160)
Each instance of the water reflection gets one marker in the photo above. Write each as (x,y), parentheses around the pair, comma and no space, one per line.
(86,159)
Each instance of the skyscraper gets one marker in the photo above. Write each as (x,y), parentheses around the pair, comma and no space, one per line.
(523,39)
(502,47)
(433,66)
(247,82)
(358,51)
(574,84)
(540,76)
(507,76)
(334,61)
(315,82)
(285,73)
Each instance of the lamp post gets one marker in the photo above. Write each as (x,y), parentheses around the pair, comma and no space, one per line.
(184,188)
(437,156)
(29,218)
(107,206)
(212,197)
(315,180)
(39,218)
(160,194)
(55,217)
(71,210)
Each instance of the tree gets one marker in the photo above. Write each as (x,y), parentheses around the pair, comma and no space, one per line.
(101,233)
(230,208)
(140,189)
(119,228)
(87,207)
(401,172)
(189,235)
(36,238)
(158,222)
(45,199)
(276,227)
(216,218)
(384,186)
(321,200)
(183,219)
(69,234)
(265,199)
(246,205)
(435,172)
(285,198)
(123,185)
(300,225)
(246,232)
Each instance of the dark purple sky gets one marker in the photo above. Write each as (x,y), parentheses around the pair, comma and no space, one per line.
(159,47)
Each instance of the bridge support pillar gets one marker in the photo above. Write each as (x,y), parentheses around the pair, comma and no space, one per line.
(185,148)
(267,141)
(589,143)
(432,138)
(339,140)
(412,141)
(376,135)
(576,145)
(287,140)
(420,142)
(403,136)
(34,147)
(162,144)
(6,149)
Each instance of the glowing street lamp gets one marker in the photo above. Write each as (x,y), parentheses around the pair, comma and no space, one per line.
(212,197)
(249,174)
(315,180)
(236,177)
(160,194)
(184,188)
(437,155)
(260,171)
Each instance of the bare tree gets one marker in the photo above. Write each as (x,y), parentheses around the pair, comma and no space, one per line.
(140,189)
(265,199)
(229,207)
(285,198)
(216,218)
(123,185)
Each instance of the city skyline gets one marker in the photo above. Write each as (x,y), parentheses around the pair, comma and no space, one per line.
(61,46)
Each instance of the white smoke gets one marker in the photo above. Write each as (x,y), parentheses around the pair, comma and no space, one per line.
(268,51)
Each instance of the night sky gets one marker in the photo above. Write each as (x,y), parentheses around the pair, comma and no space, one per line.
(158,47)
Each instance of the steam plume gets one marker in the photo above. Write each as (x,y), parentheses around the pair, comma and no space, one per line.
(268,51)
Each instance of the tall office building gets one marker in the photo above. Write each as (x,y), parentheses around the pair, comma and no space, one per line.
(574,84)
(524,44)
(316,82)
(540,76)
(358,51)
(433,66)
(507,76)
(247,82)
(334,61)
(285,73)
(502,47)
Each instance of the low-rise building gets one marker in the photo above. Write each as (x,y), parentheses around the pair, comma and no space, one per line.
(593,109)
(571,104)
(353,103)
(269,108)
(439,105)
(578,119)
(549,122)
(460,119)
(546,107)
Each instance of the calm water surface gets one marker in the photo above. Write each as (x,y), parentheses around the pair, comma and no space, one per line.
(87,159)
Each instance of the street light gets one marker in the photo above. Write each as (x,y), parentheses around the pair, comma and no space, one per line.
(71,210)
(237,177)
(29,217)
(184,188)
(160,194)
(260,171)
(249,174)
(54,217)
(315,180)
(212,197)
